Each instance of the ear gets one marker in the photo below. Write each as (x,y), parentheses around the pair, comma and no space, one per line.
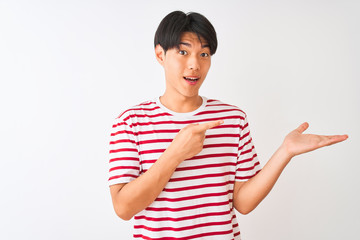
(160,54)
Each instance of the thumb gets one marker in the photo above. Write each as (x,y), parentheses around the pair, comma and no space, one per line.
(302,127)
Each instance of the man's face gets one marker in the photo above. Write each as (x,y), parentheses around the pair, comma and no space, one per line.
(186,67)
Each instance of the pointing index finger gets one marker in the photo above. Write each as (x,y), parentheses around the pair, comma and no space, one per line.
(208,125)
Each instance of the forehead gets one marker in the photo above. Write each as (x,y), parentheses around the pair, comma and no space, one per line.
(190,40)
(191,37)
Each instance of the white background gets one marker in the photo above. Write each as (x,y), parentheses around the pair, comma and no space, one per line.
(68,68)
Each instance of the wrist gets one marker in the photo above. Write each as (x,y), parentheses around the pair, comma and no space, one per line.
(285,153)
(172,156)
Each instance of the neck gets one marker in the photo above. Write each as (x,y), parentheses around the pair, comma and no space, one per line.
(181,104)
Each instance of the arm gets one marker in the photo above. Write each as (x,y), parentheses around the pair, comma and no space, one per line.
(247,195)
(131,198)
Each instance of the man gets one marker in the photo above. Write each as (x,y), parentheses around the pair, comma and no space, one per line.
(181,163)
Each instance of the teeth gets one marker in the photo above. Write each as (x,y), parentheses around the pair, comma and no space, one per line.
(192,79)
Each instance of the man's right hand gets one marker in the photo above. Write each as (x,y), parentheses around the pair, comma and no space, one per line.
(190,139)
(132,197)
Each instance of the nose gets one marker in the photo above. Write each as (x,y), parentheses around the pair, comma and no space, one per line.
(193,63)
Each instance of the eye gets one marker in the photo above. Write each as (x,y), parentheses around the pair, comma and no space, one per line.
(205,55)
(182,52)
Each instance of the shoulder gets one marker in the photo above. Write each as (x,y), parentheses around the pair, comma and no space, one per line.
(218,105)
(131,112)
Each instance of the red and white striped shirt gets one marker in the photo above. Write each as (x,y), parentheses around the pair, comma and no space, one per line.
(197,202)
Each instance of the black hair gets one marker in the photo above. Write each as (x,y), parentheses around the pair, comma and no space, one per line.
(175,23)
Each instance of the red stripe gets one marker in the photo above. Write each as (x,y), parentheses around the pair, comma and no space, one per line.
(157,131)
(214,155)
(248,159)
(122,131)
(154,141)
(246,177)
(245,126)
(123,150)
(244,136)
(121,114)
(194,196)
(216,111)
(222,135)
(160,219)
(249,168)
(221,145)
(139,107)
(152,151)
(235,226)
(179,229)
(124,167)
(118,124)
(247,151)
(201,176)
(223,104)
(185,238)
(123,141)
(146,115)
(206,166)
(146,103)
(145,109)
(229,126)
(240,148)
(135,108)
(204,205)
(148,161)
(203,186)
(124,159)
(121,176)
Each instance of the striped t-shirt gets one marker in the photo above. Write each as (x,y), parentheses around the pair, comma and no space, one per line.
(197,202)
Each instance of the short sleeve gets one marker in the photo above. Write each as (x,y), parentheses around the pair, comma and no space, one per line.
(248,164)
(124,163)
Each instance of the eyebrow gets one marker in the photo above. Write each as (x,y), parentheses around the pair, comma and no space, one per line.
(189,45)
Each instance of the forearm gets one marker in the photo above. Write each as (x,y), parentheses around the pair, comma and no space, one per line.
(252,192)
(141,192)
(131,198)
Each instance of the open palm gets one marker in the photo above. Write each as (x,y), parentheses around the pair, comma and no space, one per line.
(297,143)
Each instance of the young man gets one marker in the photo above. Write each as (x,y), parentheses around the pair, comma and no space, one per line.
(181,163)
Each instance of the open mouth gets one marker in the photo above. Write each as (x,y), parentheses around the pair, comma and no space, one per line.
(190,79)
